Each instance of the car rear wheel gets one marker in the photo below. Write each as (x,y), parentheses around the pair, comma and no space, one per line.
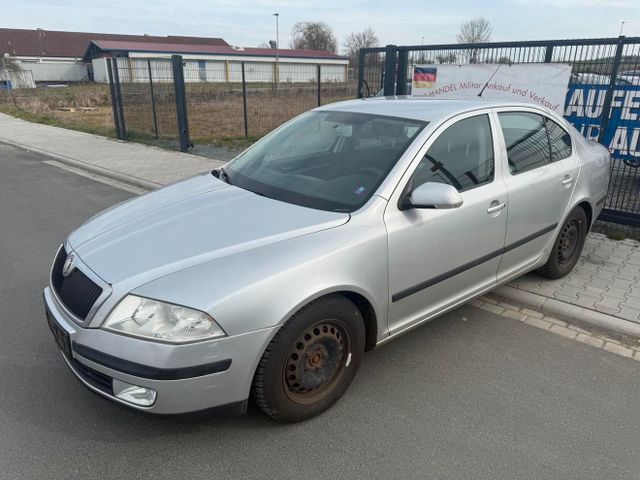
(568,245)
(311,361)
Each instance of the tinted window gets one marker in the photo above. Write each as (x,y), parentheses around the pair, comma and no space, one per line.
(559,140)
(461,156)
(526,138)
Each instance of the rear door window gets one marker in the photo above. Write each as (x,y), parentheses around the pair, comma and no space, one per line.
(525,136)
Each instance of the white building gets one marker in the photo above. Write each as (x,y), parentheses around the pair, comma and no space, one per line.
(215,63)
(55,56)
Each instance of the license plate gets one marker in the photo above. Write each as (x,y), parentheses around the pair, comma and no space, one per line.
(60,335)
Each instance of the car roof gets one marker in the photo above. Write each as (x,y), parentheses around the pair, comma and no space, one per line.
(419,108)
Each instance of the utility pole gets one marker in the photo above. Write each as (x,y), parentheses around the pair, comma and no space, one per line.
(277,76)
(6,75)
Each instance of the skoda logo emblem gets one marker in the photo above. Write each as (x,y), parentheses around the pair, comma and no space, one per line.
(69,265)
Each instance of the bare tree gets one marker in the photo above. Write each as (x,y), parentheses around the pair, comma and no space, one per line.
(367,38)
(450,57)
(313,36)
(476,30)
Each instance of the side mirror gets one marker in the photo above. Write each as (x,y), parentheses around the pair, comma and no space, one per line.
(433,195)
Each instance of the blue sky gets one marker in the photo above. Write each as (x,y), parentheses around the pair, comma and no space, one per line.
(249,23)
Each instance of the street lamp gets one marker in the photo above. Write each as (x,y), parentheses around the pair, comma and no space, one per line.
(277,76)
(622,27)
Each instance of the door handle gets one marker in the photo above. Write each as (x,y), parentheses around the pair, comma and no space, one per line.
(567,181)
(496,207)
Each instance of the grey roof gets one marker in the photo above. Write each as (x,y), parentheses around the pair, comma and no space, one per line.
(418,108)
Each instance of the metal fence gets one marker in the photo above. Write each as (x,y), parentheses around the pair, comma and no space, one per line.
(174,102)
(603,98)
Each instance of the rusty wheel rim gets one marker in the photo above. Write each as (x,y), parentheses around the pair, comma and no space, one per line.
(316,361)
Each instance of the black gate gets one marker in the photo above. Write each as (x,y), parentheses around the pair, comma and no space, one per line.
(603,99)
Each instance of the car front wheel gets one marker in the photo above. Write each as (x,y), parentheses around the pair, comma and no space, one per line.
(311,361)
(567,246)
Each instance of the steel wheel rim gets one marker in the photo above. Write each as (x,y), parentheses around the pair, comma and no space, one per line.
(316,361)
(569,240)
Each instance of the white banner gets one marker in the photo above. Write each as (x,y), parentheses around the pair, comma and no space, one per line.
(542,83)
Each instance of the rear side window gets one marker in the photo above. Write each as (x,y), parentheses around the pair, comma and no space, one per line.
(526,138)
(461,156)
(560,141)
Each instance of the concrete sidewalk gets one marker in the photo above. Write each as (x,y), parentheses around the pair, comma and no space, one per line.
(603,290)
(133,163)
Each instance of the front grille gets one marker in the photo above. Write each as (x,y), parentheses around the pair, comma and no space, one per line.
(94,378)
(77,292)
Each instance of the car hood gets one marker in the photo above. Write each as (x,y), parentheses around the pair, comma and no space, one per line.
(187,223)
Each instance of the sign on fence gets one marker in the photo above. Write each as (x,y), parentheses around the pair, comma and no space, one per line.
(584,109)
(542,84)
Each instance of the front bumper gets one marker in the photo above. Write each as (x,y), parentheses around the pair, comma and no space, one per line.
(187,378)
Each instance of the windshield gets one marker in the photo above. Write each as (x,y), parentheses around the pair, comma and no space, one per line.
(325,160)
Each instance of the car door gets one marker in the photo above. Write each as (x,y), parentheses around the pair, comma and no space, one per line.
(439,256)
(540,175)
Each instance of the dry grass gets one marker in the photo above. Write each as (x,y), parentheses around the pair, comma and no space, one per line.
(215,110)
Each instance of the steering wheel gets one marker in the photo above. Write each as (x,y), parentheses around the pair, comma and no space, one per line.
(373,171)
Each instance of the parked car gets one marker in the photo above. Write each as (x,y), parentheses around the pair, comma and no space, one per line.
(597,79)
(341,230)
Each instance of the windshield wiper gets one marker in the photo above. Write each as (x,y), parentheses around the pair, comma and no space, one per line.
(223,175)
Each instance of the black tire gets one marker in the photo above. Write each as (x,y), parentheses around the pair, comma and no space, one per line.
(311,361)
(568,245)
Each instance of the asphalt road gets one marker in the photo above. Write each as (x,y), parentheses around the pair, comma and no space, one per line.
(470,395)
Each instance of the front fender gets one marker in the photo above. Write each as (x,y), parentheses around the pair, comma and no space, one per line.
(263,287)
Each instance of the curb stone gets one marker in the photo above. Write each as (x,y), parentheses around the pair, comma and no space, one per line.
(626,346)
(554,307)
(120,177)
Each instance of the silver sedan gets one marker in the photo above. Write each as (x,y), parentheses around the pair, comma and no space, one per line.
(342,229)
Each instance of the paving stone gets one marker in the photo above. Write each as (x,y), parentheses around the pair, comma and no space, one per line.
(628,313)
(538,322)
(634,292)
(509,306)
(610,301)
(609,276)
(589,340)
(569,291)
(618,349)
(585,301)
(565,298)
(514,315)
(598,283)
(555,321)
(532,313)
(590,292)
(606,309)
(631,302)
(564,331)
(489,299)
(548,292)
(490,307)
(610,267)
(630,276)
(576,282)
(615,292)
(476,303)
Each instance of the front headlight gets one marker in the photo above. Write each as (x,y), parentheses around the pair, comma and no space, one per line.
(144,317)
